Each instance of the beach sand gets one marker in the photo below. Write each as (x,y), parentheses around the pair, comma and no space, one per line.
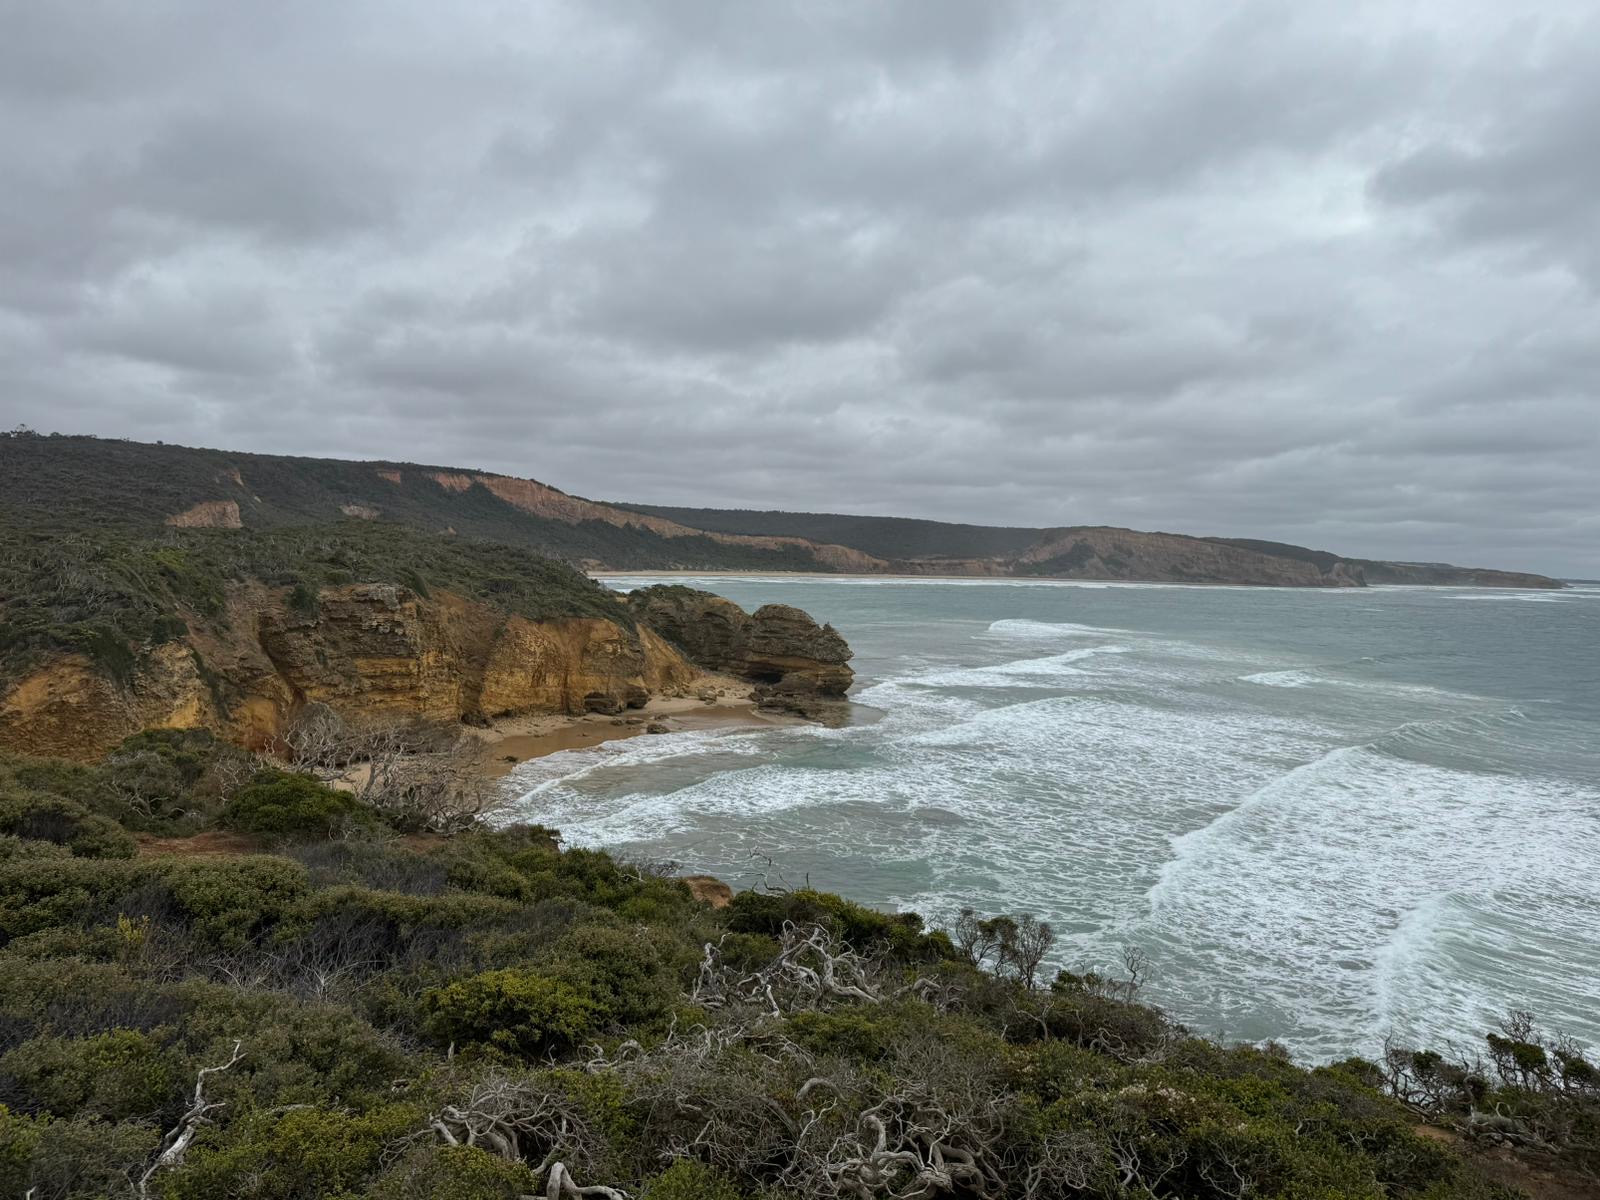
(512,740)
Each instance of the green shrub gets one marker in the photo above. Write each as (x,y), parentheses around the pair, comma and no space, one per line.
(80,1159)
(285,805)
(39,892)
(900,934)
(303,600)
(454,1173)
(19,1137)
(517,1012)
(230,902)
(621,970)
(302,1154)
(115,1075)
(687,1179)
(15,849)
(48,818)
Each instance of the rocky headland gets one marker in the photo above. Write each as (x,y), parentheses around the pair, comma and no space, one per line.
(795,664)
(377,652)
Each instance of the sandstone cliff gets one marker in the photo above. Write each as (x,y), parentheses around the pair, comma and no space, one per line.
(794,663)
(372,652)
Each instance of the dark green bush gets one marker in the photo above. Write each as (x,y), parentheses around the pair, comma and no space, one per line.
(520,1013)
(117,1075)
(81,1159)
(303,1154)
(690,1180)
(899,934)
(621,970)
(454,1173)
(286,805)
(48,818)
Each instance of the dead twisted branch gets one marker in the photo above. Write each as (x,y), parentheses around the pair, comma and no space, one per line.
(179,1138)
(813,970)
(520,1121)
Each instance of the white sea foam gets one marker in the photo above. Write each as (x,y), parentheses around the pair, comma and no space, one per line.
(1303,678)
(1023,672)
(1049,630)
(1318,857)
(1342,870)
(1286,679)
(1522,597)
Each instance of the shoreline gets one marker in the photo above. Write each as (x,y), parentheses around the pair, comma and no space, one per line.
(510,741)
(609,573)
(1016,579)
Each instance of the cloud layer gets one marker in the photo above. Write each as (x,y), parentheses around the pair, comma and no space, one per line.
(1325,272)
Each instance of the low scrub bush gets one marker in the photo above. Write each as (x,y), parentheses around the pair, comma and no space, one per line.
(285,805)
(46,818)
(519,1013)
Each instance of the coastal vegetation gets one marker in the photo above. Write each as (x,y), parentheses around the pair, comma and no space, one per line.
(320,973)
(76,484)
(220,977)
(66,483)
(110,593)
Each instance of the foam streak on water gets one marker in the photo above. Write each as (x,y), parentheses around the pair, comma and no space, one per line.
(1324,822)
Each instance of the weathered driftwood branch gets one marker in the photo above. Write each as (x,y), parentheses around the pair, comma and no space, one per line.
(559,1183)
(813,970)
(518,1120)
(177,1141)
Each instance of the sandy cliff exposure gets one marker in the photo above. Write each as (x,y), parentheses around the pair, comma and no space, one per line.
(377,653)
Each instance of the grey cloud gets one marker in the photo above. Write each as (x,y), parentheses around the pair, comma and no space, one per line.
(1527,175)
(1322,272)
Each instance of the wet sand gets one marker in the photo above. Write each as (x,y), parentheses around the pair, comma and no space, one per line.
(516,739)
(581,733)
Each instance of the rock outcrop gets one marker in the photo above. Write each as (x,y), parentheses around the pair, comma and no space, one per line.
(795,663)
(374,653)
(208,514)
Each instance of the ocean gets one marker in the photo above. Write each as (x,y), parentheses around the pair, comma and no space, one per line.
(1327,817)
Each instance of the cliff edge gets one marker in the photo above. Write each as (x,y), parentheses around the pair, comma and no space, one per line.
(106,638)
(795,663)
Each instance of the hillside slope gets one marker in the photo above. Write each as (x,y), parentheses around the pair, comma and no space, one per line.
(61,483)
(1086,552)
(70,483)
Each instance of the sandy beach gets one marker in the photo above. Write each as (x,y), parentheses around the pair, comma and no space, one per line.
(512,740)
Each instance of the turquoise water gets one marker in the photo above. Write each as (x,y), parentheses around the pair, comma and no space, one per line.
(1325,816)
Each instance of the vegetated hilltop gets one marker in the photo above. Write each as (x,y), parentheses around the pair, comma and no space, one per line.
(107,632)
(222,978)
(912,547)
(77,482)
(74,483)
(1381,571)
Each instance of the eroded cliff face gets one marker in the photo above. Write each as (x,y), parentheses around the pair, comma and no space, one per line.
(372,652)
(794,662)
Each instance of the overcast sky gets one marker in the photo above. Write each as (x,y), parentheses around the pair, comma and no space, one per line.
(1323,271)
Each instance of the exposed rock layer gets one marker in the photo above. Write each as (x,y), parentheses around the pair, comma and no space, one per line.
(377,653)
(795,663)
(208,514)
(372,652)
